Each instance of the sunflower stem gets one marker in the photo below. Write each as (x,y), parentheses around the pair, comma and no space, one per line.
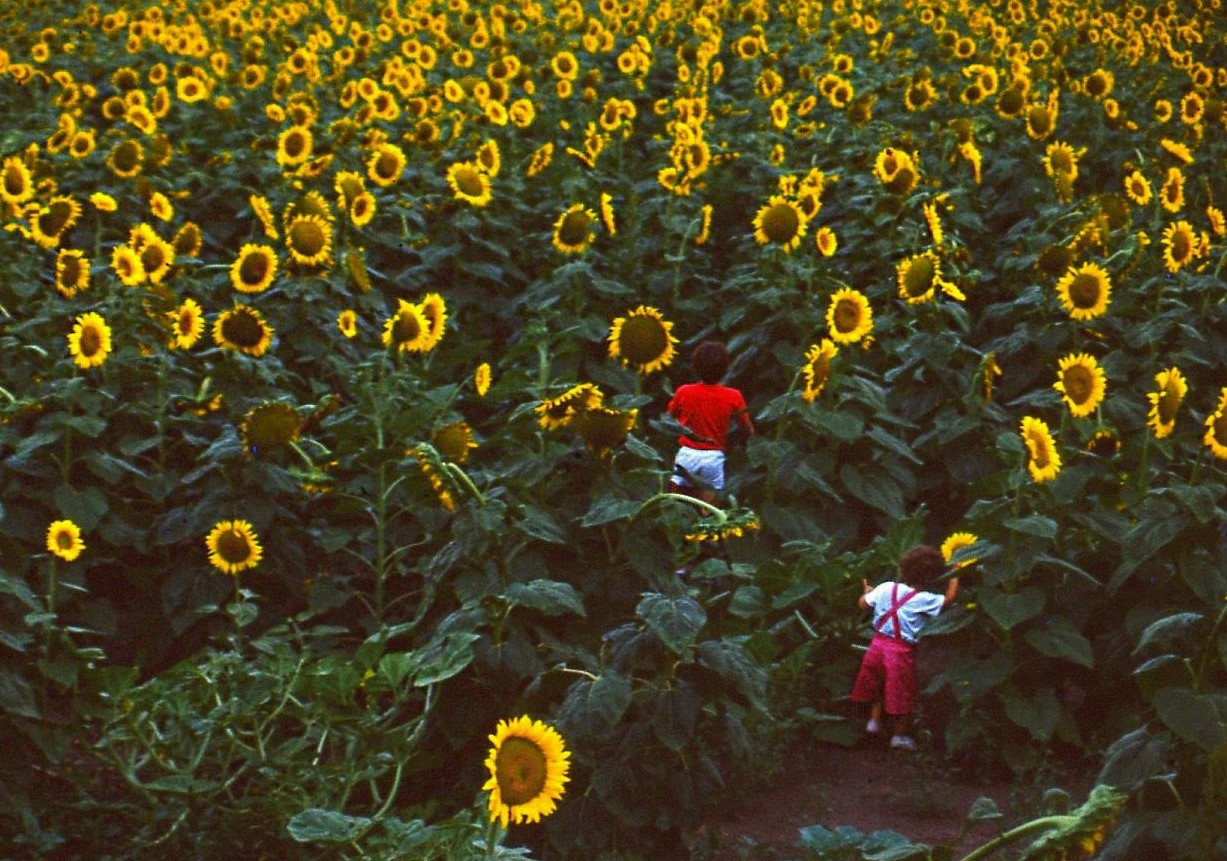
(306,459)
(463,477)
(695,501)
(1044,823)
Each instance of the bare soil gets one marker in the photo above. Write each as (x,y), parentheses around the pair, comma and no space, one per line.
(869,788)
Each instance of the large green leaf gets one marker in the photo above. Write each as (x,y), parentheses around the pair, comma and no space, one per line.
(1036,711)
(1008,611)
(1037,525)
(1058,638)
(1169,628)
(676,620)
(675,715)
(594,706)
(874,487)
(971,677)
(550,597)
(608,509)
(1199,718)
(83,507)
(316,825)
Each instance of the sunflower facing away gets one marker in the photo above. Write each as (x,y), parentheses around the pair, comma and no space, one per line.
(849,317)
(528,766)
(269,426)
(1043,461)
(642,339)
(779,222)
(1082,384)
(233,547)
(956,542)
(817,368)
(604,429)
(64,540)
(454,441)
(1216,428)
(90,341)
(1084,291)
(1165,401)
(573,229)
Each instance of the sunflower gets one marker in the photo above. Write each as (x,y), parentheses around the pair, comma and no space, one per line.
(408,329)
(1082,384)
(191,89)
(604,429)
(1098,84)
(1171,193)
(1192,106)
(849,317)
(1084,291)
(1042,118)
(127,265)
(489,158)
(573,229)
(528,766)
(309,240)
(1180,245)
(269,426)
(186,325)
(103,202)
(160,206)
(732,524)
(242,328)
(1180,151)
(263,210)
(558,412)
(64,540)
(469,183)
(956,542)
(254,269)
(607,214)
(386,164)
(126,159)
(90,341)
(1043,462)
(294,146)
(1216,428)
(157,255)
(16,183)
(895,169)
(780,221)
(933,220)
(233,547)
(826,241)
(919,276)
(435,475)
(1218,222)
(1061,158)
(434,309)
(1165,401)
(704,234)
(362,209)
(1137,187)
(1104,443)
(347,322)
(454,441)
(643,339)
(817,368)
(71,272)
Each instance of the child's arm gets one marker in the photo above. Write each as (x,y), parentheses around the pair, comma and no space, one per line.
(865,589)
(952,589)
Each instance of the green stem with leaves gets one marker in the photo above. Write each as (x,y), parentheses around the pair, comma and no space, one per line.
(1044,823)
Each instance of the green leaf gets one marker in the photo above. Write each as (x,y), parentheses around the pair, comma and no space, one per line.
(608,509)
(182,784)
(843,427)
(444,658)
(16,698)
(971,678)
(1167,629)
(90,426)
(1037,525)
(1058,638)
(1200,499)
(676,620)
(1132,759)
(641,449)
(983,809)
(83,507)
(548,596)
(594,706)
(875,488)
(1036,711)
(537,523)
(316,825)
(1011,610)
(733,663)
(1198,718)
(892,443)
(675,715)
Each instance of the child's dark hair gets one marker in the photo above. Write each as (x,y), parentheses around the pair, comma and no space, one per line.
(710,361)
(921,565)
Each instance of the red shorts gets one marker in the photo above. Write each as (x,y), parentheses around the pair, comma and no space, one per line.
(888,672)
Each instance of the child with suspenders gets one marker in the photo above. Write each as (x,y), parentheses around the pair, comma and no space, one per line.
(887,676)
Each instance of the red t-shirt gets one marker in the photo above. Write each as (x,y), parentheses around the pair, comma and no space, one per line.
(706,411)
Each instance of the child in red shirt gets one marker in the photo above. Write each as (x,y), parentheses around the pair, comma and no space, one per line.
(706,409)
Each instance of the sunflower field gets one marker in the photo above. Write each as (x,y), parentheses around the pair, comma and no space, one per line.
(335,517)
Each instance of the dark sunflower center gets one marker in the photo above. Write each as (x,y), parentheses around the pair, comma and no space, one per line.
(242,329)
(643,339)
(71,273)
(406,328)
(574,228)
(1169,402)
(469,182)
(185,322)
(387,166)
(254,268)
(918,279)
(1039,120)
(126,157)
(1084,291)
(1219,428)
(14,182)
(1011,102)
(520,770)
(232,547)
(64,540)
(308,238)
(271,426)
(453,441)
(91,341)
(1096,86)
(1039,450)
(295,144)
(781,223)
(153,257)
(1079,383)
(847,316)
(1182,247)
(1063,160)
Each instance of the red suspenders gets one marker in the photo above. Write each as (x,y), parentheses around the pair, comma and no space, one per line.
(892,615)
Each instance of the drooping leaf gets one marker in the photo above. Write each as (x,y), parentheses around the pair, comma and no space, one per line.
(676,620)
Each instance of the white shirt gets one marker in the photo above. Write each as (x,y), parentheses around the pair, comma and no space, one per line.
(912,615)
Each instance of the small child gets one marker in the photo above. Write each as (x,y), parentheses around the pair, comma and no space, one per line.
(706,409)
(888,671)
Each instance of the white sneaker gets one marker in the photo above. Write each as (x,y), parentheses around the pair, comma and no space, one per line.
(873,726)
(903,742)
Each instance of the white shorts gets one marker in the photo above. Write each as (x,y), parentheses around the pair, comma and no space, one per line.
(706,465)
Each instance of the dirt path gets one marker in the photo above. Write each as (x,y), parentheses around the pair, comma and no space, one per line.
(869,789)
